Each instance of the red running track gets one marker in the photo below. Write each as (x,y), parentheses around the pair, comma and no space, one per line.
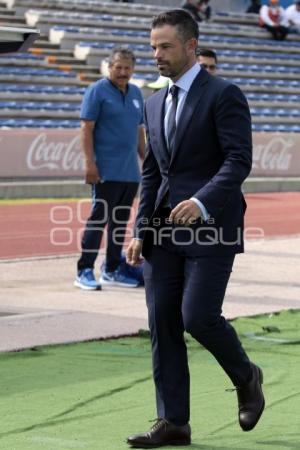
(54,228)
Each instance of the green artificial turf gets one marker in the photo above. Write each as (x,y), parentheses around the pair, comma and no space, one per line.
(92,395)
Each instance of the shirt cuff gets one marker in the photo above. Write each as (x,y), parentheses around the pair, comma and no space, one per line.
(205,214)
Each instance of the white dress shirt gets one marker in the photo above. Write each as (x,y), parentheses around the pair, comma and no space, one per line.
(184,83)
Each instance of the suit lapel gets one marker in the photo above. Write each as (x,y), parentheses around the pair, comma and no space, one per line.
(158,121)
(193,97)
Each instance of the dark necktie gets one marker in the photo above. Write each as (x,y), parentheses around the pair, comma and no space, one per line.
(171,128)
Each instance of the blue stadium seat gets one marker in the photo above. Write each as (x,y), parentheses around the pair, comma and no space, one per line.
(140,33)
(222,13)
(105,17)
(232,53)
(7,87)
(39,123)
(145,76)
(256,127)
(258,68)
(281,112)
(53,106)
(145,62)
(254,54)
(264,82)
(22,56)
(248,41)
(35,72)
(67,28)
(92,17)
(97,31)
(109,45)
(120,25)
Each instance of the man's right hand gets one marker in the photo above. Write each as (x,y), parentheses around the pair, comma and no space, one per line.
(91,173)
(133,254)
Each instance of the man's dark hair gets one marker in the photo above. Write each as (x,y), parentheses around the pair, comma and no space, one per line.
(187,27)
(122,52)
(207,52)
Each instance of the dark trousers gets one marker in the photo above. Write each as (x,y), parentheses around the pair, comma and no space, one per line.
(112,201)
(279,33)
(186,294)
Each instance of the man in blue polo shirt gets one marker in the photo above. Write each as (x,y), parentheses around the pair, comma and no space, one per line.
(112,137)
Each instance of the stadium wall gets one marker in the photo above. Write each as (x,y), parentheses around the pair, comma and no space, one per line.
(55,153)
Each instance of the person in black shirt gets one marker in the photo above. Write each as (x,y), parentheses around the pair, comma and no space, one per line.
(254,7)
(191,7)
(205,9)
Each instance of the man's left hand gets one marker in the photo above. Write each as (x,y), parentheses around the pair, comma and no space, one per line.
(185,213)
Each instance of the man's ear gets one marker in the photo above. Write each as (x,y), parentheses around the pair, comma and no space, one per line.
(192,45)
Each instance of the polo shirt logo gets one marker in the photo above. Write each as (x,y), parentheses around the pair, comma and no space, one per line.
(136,103)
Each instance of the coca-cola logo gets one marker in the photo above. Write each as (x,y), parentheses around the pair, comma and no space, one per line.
(64,156)
(275,155)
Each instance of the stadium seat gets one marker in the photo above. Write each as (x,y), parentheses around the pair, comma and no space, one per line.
(35,72)
(255,54)
(273,97)
(264,82)
(40,105)
(276,128)
(41,88)
(38,123)
(275,112)
(22,56)
(267,70)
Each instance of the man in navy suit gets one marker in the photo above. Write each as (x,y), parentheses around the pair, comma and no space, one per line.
(190,226)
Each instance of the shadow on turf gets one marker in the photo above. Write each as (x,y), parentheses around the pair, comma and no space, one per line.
(213,447)
(280,444)
(268,444)
(59,419)
(207,447)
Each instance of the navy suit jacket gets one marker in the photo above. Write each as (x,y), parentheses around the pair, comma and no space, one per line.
(211,158)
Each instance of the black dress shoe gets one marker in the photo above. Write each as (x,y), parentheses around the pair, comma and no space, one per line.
(251,400)
(162,433)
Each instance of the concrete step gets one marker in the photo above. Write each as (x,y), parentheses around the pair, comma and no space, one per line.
(64,59)
(38,50)
(45,44)
(7,12)
(11,21)
(30,79)
(78,68)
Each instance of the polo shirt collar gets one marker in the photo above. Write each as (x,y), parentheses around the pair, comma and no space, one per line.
(116,87)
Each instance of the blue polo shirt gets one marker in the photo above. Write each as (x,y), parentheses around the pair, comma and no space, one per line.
(117,117)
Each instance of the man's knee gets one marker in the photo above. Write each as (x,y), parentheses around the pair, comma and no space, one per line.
(202,327)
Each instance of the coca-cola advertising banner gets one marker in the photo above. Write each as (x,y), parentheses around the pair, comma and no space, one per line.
(40,153)
(56,153)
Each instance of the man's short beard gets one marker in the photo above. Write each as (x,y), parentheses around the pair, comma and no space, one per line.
(165,72)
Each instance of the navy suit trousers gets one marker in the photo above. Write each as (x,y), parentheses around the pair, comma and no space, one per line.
(186,294)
